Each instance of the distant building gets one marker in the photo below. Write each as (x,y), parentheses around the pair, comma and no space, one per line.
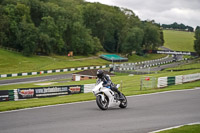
(87,74)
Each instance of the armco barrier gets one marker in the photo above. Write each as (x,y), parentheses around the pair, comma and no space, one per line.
(26,93)
(166,81)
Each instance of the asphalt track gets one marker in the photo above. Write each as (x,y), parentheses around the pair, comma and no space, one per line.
(145,113)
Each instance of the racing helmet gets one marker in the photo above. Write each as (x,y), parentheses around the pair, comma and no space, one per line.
(100,73)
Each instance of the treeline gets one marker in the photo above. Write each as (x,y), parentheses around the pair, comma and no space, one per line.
(197,40)
(60,26)
(177,26)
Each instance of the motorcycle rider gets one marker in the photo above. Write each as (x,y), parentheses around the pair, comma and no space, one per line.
(107,82)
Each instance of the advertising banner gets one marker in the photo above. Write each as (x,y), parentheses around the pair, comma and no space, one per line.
(171,52)
(74,89)
(4,95)
(51,91)
(26,93)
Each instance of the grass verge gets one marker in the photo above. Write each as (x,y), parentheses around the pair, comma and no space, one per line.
(184,129)
(188,66)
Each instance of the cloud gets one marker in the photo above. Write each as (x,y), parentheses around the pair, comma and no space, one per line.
(162,11)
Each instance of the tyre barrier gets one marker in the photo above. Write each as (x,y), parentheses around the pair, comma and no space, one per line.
(175,80)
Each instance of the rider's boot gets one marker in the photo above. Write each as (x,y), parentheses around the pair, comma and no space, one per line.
(121,97)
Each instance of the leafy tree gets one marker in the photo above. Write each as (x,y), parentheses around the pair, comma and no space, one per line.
(36,8)
(177,26)
(51,26)
(28,36)
(197,40)
(152,36)
(14,15)
(43,44)
(82,42)
(4,27)
(55,42)
(133,41)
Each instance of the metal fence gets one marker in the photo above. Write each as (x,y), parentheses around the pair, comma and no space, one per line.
(147,82)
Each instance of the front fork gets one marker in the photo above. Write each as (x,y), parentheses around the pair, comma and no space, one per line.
(102,96)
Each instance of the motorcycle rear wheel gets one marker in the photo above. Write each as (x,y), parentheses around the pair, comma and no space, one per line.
(102,104)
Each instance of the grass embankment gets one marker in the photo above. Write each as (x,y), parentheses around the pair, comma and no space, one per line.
(184,129)
(179,40)
(131,86)
(11,62)
(189,66)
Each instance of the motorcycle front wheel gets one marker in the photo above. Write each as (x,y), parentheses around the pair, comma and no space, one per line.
(123,103)
(102,104)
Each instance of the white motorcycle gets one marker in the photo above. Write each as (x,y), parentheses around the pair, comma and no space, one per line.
(106,98)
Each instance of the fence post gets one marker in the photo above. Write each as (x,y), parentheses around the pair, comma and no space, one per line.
(121,85)
(140,84)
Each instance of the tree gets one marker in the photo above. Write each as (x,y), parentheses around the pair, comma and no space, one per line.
(177,26)
(82,42)
(4,27)
(133,41)
(197,40)
(28,38)
(51,26)
(152,36)
(49,32)
(14,16)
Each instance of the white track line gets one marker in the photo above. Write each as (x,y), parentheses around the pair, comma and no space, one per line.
(198,88)
(174,127)
(45,106)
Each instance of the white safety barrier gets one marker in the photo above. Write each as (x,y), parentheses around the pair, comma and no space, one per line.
(191,77)
(162,82)
(180,79)
(88,87)
(16,98)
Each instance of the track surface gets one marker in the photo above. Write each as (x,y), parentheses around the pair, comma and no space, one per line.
(144,114)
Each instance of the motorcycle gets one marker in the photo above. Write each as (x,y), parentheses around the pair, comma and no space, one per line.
(106,98)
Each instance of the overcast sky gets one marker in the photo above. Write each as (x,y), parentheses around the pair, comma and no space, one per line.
(162,11)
